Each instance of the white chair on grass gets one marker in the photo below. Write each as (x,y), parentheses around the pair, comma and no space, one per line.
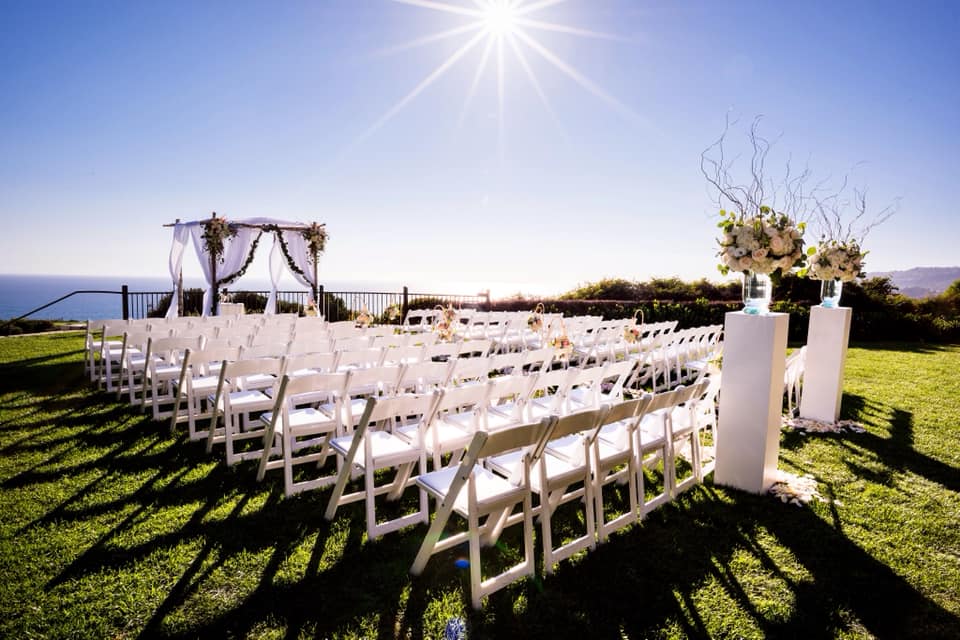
(487,503)
(164,362)
(296,435)
(684,431)
(455,420)
(614,460)
(237,403)
(793,379)
(374,447)
(562,475)
(420,377)
(199,377)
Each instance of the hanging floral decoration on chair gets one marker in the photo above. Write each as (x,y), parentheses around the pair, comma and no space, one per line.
(561,343)
(364,319)
(632,333)
(215,233)
(535,319)
(446,326)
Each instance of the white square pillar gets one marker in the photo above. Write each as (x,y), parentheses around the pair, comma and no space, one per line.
(827,339)
(751,400)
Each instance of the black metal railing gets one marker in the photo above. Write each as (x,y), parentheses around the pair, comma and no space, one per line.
(385,306)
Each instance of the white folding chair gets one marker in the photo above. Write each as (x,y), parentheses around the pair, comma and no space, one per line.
(561,476)
(614,460)
(237,403)
(476,494)
(420,377)
(373,447)
(164,357)
(300,435)
(199,376)
(684,429)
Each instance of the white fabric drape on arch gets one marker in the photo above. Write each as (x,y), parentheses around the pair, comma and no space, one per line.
(181,232)
(235,252)
(297,246)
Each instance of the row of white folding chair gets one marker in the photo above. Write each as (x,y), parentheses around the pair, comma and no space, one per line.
(473,402)
(199,379)
(793,379)
(687,350)
(502,469)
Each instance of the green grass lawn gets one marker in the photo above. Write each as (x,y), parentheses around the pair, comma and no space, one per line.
(111,528)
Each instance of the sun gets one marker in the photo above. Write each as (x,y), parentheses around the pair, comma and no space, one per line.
(500,18)
(501,29)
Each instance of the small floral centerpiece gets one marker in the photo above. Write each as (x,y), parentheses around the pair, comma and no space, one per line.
(215,233)
(364,319)
(759,245)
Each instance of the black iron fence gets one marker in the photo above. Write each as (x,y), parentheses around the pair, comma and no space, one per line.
(384,306)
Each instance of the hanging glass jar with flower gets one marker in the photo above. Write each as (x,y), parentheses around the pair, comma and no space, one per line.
(758,246)
(364,319)
(535,319)
(834,262)
(446,325)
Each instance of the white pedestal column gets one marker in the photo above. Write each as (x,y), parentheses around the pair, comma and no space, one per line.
(751,400)
(827,340)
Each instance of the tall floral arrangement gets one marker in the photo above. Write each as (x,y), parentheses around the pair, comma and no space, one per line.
(839,255)
(837,260)
(315,236)
(763,243)
(216,230)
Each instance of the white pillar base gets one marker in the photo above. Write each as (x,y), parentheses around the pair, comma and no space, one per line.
(751,400)
(827,340)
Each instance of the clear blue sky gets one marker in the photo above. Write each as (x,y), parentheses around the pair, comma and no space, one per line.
(116,117)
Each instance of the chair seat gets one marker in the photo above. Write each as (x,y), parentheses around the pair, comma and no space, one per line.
(166,371)
(497,421)
(652,430)
(202,384)
(302,419)
(387,448)
(249,400)
(558,469)
(449,436)
(259,381)
(569,448)
(492,490)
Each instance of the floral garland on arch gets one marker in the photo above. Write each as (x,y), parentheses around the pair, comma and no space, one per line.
(216,230)
(236,275)
(316,238)
(764,243)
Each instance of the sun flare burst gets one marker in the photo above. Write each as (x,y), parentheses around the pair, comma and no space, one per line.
(500,28)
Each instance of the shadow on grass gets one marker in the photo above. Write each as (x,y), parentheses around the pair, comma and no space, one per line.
(647,578)
(895,453)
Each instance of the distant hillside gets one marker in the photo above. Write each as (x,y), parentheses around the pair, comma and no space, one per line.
(921,282)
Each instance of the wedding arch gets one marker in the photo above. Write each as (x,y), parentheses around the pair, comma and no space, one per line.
(226,248)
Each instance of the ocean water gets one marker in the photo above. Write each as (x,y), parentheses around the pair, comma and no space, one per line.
(20,294)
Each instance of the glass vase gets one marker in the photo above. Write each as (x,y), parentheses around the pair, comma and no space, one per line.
(830,291)
(757,292)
